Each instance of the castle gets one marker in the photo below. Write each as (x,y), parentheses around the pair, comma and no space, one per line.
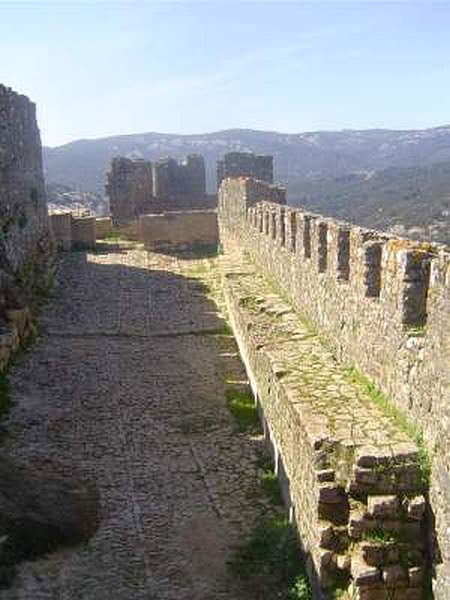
(344,333)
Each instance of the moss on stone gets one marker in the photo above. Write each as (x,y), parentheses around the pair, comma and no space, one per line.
(398,418)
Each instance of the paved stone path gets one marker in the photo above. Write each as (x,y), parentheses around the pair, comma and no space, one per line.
(126,384)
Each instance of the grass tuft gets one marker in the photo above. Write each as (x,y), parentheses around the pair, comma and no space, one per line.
(270,486)
(398,418)
(242,407)
(114,236)
(379,535)
(271,555)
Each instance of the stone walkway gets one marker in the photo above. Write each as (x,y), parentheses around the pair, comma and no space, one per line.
(126,384)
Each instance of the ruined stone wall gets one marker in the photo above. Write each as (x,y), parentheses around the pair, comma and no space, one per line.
(72,231)
(61,228)
(103,227)
(179,178)
(381,302)
(84,232)
(245,164)
(137,187)
(129,187)
(185,228)
(25,244)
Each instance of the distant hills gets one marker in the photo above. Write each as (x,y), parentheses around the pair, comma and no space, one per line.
(410,201)
(400,177)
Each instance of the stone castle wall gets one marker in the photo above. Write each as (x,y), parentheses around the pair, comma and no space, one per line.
(382,303)
(184,228)
(72,231)
(129,187)
(25,244)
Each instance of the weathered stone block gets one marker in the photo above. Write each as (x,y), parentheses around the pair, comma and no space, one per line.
(416,507)
(408,594)
(364,574)
(416,576)
(373,554)
(395,576)
(383,507)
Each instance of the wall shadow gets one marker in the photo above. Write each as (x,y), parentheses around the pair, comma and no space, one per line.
(91,299)
(189,252)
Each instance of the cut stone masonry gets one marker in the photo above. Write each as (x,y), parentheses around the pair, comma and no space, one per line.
(71,231)
(137,187)
(25,244)
(245,164)
(381,303)
(352,479)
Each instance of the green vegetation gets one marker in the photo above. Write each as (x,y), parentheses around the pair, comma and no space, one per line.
(249,302)
(398,418)
(114,236)
(379,535)
(269,481)
(417,331)
(338,593)
(300,589)
(242,407)
(411,197)
(224,330)
(271,558)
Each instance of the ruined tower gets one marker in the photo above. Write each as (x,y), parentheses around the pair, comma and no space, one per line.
(245,164)
(135,187)
(129,187)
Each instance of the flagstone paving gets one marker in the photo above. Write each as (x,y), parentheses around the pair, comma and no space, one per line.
(126,383)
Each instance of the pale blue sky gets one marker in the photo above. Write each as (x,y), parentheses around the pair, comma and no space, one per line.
(105,68)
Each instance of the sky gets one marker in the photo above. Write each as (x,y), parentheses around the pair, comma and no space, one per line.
(106,68)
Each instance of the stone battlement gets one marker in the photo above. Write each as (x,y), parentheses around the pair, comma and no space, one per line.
(382,303)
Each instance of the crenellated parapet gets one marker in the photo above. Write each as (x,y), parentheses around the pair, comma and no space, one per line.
(382,303)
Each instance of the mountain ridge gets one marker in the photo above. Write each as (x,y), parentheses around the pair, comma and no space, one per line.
(81,164)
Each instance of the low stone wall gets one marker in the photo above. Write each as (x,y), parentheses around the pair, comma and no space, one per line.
(84,232)
(129,230)
(61,227)
(382,303)
(103,227)
(178,229)
(71,231)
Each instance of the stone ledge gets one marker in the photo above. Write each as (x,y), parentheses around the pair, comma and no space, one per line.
(348,470)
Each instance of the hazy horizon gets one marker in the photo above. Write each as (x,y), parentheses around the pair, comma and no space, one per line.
(102,69)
